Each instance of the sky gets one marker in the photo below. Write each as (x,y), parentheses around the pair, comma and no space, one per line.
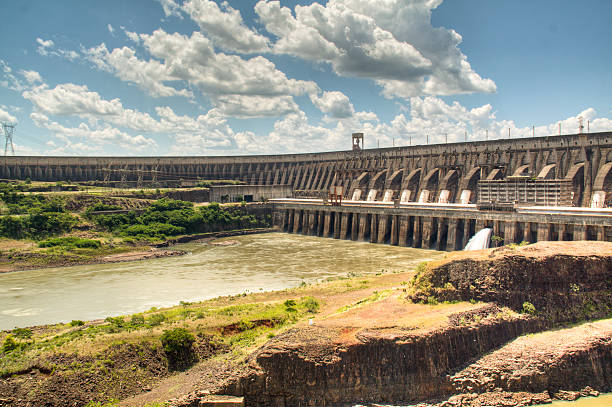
(203,77)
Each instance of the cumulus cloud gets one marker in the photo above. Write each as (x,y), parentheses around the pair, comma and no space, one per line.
(9,80)
(31,76)
(7,117)
(389,41)
(253,87)
(85,139)
(148,75)
(110,29)
(171,8)
(70,99)
(225,26)
(210,130)
(336,104)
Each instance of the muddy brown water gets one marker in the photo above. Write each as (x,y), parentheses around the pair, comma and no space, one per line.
(264,262)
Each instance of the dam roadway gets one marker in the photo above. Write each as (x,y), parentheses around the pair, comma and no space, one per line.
(438,226)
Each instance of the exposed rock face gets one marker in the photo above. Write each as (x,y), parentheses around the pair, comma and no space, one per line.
(566,359)
(556,277)
(318,366)
(314,367)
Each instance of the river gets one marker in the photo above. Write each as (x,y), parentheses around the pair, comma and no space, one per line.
(271,261)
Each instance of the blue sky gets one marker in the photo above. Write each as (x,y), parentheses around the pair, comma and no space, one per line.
(199,77)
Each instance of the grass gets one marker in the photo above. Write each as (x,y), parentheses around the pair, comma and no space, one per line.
(376,296)
(209,317)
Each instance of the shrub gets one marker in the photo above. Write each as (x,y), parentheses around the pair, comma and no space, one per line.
(137,319)
(70,242)
(178,346)
(153,230)
(290,306)
(23,333)
(311,304)
(77,322)
(43,224)
(10,344)
(156,319)
(528,308)
(12,226)
(116,321)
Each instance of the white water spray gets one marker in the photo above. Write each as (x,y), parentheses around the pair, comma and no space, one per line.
(480,240)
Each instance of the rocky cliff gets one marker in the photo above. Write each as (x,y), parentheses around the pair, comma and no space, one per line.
(321,366)
(564,281)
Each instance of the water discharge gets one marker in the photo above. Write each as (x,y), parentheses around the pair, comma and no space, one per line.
(266,262)
(480,240)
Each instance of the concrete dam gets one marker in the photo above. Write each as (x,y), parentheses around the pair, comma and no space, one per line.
(430,196)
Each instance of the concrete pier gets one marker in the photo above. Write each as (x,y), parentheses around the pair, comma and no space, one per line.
(440,227)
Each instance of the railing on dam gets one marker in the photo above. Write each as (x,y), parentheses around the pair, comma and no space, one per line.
(438,226)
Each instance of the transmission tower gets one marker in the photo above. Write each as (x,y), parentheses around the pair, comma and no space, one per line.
(9,131)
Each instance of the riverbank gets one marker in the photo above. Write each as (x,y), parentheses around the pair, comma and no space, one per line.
(22,255)
(359,339)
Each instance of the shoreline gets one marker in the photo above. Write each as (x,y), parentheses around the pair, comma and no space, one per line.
(147,252)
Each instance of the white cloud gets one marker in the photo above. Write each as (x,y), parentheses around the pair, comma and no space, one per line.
(171,8)
(7,117)
(44,45)
(335,103)
(225,26)
(249,106)
(389,41)
(84,139)
(253,87)
(110,29)
(9,80)
(148,75)
(134,37)
(69,100)
(45,48)
(31,76)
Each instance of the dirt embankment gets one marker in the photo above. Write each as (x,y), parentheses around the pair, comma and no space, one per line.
(65,379)
(474,358)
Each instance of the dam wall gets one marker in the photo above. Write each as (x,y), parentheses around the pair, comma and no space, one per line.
(427,173)
(438,226)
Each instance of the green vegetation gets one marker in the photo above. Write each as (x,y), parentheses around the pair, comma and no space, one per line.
(166,217)
(178,345)
(376,296)
(70,242)
(104,225)
(515,245)
(528,308)
(9,344)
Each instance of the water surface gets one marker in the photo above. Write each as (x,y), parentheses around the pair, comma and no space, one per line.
(266,262)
